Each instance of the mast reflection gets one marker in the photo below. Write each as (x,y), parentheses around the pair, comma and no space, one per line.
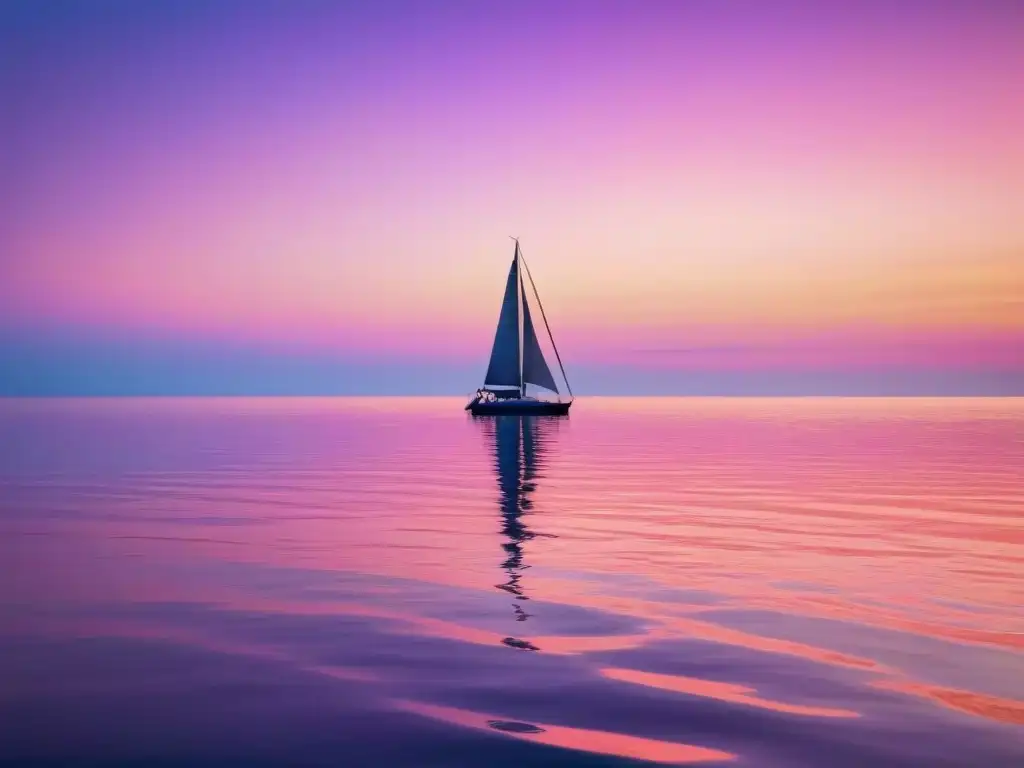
(519,445)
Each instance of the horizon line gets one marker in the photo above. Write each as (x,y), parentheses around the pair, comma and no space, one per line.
(393,396)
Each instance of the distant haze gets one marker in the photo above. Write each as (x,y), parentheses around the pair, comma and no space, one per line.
(248,197)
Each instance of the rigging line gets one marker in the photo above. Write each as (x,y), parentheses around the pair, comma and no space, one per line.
(544,317)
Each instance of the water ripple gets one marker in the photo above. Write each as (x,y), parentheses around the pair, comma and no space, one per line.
(391,582)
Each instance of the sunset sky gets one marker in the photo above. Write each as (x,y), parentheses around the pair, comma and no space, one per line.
(316,197)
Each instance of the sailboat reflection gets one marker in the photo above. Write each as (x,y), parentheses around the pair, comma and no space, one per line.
(519,444)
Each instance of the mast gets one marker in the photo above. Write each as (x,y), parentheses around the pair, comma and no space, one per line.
(522,299)
(543,317)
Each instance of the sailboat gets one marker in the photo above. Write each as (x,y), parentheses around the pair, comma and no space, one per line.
(516,357)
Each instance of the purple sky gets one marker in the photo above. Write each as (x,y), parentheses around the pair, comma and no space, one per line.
(315,197)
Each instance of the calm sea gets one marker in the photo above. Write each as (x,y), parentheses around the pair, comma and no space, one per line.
(391,582)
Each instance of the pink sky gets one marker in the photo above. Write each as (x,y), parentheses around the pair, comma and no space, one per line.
(794,187)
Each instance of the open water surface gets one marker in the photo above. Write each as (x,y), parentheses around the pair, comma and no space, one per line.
(391,582)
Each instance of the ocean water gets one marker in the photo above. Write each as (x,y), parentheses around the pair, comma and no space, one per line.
(391,582)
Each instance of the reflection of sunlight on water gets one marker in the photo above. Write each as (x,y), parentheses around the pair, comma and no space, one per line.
(871,548)
(716,690)
(602,742)
(992,707)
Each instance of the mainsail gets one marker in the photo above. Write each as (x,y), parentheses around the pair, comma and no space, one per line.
(503,370)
